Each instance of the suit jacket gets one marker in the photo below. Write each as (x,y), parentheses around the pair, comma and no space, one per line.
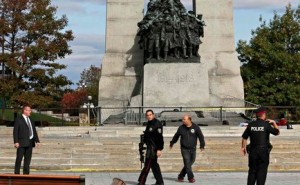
(21,133)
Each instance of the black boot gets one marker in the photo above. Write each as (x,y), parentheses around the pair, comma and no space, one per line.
(157,54)
(184,54)
(190,53)
(176,54)
(150,56)
(165,55)
(196,51)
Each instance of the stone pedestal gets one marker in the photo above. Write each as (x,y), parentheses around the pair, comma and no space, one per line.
(218,52)
(175,85)
(123,60)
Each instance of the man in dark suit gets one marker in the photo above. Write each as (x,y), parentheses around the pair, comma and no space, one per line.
(25,138)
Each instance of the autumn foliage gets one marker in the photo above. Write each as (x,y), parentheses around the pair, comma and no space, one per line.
(32,39)
(74,99)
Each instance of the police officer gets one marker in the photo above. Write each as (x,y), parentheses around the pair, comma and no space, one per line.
(259,149)
(188,133)
(153,137)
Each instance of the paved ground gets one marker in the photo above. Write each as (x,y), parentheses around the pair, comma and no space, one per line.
(203,178)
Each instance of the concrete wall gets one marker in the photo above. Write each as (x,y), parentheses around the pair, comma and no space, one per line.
(123,60)
(218,52)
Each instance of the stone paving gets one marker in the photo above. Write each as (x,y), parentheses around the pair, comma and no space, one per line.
(202,178)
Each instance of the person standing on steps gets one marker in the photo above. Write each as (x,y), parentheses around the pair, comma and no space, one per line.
(25,138)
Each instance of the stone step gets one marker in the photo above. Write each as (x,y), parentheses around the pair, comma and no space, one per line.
(168,168)
(110,152)
(214,131)
(71,142)
(277,143)
(163,161)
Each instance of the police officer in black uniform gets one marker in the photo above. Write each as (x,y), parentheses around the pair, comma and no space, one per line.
(259,149)
(153,137)
(188,133)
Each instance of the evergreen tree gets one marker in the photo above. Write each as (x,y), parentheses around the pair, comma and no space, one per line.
(271,60)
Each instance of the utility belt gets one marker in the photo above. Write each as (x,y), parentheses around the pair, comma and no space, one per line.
(269,147)
(151,149)
(188,148)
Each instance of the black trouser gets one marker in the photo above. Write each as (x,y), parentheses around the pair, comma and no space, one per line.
(27,153)
(151,162)
(189,157)
(258,165)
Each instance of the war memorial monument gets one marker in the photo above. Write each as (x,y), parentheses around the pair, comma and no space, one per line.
(170,56)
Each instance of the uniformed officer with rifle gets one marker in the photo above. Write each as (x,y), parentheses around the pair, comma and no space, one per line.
(153,137)
(260,147)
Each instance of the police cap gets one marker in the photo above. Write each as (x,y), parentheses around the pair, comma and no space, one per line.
(260,110)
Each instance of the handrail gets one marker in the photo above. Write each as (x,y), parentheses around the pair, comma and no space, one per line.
(242,100)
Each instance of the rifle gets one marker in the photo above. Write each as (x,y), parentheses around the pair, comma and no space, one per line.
(141,150)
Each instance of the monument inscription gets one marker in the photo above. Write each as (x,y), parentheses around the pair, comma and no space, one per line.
(183,77)
(172,84)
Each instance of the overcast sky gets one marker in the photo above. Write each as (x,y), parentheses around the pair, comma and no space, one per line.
(87,21)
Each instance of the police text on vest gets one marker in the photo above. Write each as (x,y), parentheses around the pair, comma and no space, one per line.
(257,129)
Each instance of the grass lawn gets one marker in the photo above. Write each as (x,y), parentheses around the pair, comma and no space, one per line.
(8,116)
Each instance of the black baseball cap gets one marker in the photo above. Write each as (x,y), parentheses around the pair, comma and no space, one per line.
(260,110)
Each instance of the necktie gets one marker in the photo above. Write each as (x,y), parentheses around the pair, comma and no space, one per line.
(30,128)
